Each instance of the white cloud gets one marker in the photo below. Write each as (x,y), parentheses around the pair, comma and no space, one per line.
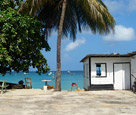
(119,6)
(121,34)
(132,5)
(114,6)
(71,46)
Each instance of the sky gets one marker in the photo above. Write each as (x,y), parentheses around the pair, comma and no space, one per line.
(123,41)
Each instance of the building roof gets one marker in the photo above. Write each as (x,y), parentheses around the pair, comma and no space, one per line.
(109,55)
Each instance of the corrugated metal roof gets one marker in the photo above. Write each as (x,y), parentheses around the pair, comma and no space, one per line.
(109,55)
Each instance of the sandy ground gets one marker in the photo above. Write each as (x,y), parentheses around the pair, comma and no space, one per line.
(39,102)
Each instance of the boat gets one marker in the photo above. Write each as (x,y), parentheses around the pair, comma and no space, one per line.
(68,72)
(25,73)
(50,73)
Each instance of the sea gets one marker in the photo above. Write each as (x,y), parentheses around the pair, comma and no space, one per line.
(66,79)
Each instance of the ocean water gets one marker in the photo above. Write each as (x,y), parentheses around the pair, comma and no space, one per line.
(66,79)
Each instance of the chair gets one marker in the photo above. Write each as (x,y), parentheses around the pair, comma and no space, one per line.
(28,84)
(3,87)
(74,85)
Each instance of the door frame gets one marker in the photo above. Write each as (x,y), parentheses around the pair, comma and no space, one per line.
(121,63)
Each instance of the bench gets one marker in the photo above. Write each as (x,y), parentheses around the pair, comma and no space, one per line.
(3,87)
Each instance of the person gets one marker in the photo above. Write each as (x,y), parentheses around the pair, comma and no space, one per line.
(53,76)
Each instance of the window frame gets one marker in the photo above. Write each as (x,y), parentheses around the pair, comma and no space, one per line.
(101,71)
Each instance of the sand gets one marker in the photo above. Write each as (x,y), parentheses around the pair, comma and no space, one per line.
(39,102)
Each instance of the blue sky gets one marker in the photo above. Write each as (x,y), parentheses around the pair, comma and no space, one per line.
(123,41)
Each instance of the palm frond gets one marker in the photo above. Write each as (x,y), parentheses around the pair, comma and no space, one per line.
(80,15)
(31,7)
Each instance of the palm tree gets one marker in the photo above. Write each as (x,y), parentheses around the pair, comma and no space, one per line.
(69,16)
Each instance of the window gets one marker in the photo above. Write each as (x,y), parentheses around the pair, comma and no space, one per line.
(98,69)
(101,69)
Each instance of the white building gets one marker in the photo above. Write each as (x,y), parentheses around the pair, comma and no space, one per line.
(109,71)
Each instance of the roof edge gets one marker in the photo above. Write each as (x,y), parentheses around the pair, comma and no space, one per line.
(109,55)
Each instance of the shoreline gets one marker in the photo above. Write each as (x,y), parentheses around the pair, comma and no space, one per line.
(35,91)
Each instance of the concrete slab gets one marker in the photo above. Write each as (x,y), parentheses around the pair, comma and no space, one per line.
(39,102)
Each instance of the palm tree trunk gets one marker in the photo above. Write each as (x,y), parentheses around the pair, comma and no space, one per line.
(58,76)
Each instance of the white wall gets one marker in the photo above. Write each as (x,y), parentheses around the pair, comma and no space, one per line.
(109,62)
(133,68)
(86,74)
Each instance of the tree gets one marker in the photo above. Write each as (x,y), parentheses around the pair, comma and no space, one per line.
(21,41)
(69,16)
(14,4)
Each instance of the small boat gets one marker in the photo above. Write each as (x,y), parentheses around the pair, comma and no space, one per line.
(25,73)
(68,72)
(50,73)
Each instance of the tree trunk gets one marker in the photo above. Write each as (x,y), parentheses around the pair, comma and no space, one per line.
(58,76)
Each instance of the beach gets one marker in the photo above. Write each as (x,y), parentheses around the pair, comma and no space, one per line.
(40,102)
(37,83)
